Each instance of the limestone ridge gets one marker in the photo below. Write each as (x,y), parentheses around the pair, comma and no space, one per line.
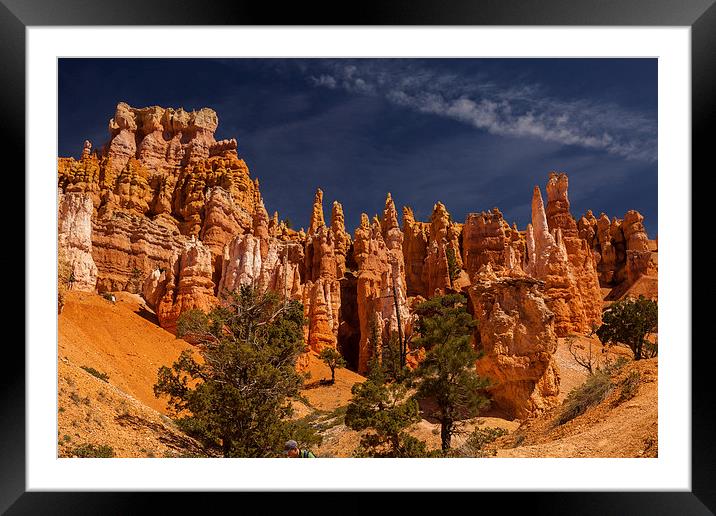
(165,210)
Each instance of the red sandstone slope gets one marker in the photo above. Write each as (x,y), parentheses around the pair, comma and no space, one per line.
(120,340)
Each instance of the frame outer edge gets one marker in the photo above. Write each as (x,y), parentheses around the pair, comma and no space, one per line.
(703,110)
(12,138)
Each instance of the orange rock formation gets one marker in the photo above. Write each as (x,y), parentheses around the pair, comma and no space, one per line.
(581,260)
(74,239)
(166,210)
(516,334)
(322,291)
(488,239)
(621,248)
(565,264)
(382,293)
(187,285)
(415,249)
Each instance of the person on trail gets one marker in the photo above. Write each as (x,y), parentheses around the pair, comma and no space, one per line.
(292,450)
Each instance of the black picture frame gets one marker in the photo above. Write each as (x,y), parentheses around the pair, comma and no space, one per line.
(700,15)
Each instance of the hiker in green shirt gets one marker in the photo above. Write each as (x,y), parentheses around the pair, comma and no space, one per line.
(292,450)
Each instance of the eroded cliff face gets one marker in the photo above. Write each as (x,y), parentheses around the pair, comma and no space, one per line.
(161,179)
(443,240)
(322,290)
(621,248)
(582,266)
(415,250)
(565,264)
(74,239)
(187,285)
(381,286)
(516,334)
(166,210)
(432,252)
(638,254)
(488,239)
(262,261)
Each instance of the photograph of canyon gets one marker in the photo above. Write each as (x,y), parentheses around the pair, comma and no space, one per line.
(334,258)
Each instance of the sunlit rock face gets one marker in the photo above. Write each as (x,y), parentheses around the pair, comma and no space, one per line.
(74,239)
(517,336)
(579,254)
(415,250)
(160,179)
(564,263)
(621,248)
(382,292)
(488,239)
(187,285)
(262,261)
(321,290)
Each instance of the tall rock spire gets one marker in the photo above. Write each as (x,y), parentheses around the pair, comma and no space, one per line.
(444,239)
(415,250)
(317,220)
(563,260)
(341,239)
(390,215)
(543,238)
(322,294)
(558,214)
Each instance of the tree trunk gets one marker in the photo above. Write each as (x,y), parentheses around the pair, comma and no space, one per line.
(226,446)
(445,434)
(395,441)
(333,375)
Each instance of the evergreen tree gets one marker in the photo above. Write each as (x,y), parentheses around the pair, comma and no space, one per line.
(393,368)
(333,360)
(236,397)
(387,411)
(628,322)
(447,374)
(453,268)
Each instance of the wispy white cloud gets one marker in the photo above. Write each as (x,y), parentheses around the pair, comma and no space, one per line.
(324,80)
(519,110)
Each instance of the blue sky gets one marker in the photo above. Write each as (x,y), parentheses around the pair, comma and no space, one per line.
(472,133)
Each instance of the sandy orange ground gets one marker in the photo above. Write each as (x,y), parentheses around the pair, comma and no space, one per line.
(116,340)
(94,412)
(611,429)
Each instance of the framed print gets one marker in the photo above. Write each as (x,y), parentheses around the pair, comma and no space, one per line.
(493,327)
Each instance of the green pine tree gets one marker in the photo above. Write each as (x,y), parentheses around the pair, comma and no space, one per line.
(236,398)
(333,360)
(453,267)
(628,322)
(385,409)
(447,374)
